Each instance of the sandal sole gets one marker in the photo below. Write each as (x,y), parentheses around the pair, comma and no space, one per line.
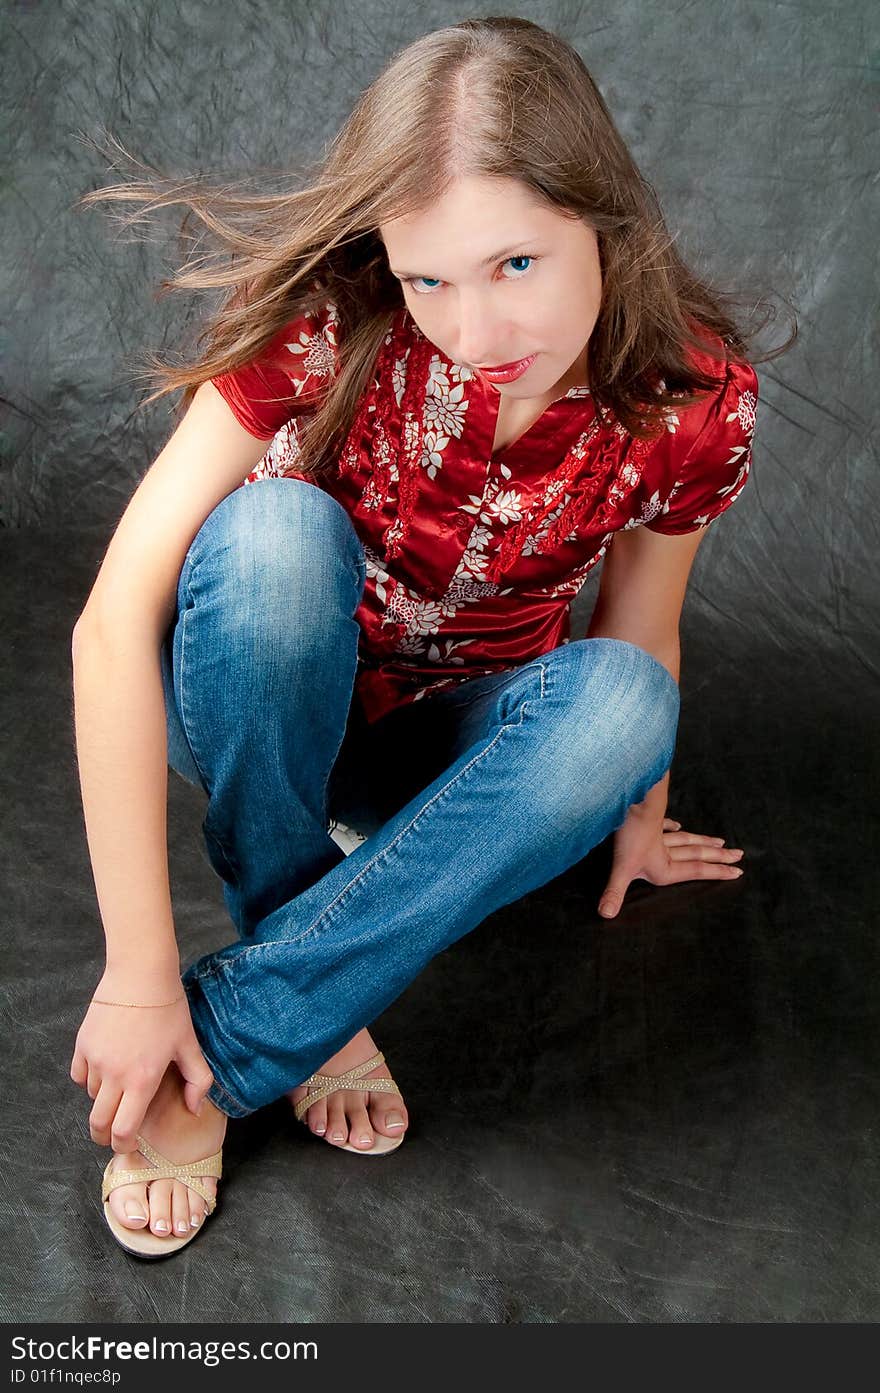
(381,1146)
(143,1243)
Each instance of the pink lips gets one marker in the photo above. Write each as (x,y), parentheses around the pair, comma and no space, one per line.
(508,372)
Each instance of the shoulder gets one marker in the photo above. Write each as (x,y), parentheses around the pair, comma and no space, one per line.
(288,376)
(730,402)
(703,459)
(306,349)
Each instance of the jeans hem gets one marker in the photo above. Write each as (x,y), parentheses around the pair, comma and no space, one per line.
(225,1102)
(219,1095)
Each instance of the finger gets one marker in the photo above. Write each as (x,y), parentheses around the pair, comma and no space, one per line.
(669,825)
(702,870)
(103,1112)
(129,1117)
(79,1068)
(93,1081)
(689,838)
(198,1077)
(613,896)
(704,853)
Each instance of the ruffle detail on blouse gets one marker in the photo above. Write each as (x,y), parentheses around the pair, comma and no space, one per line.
(582,484)
(388,435)
(395,428)
(412,438)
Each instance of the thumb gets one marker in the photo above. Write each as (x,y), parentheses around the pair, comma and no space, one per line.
(612,897)
(198,1077)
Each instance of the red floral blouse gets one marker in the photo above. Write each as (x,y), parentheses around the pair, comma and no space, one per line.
(473,559)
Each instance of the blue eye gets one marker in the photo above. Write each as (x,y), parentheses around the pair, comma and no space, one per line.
(432,282)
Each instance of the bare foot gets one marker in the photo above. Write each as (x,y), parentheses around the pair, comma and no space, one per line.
(352,1114)
(168,1207)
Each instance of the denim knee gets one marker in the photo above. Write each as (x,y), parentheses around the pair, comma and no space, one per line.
(627,691)
(275,572)
(284,543)
(278,523)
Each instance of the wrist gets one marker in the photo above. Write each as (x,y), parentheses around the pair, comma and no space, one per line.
(156,980)
(656,799)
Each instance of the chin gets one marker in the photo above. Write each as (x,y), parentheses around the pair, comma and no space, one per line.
(526,387)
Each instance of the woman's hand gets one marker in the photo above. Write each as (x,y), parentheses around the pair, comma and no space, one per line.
(122,1052)
(657,850)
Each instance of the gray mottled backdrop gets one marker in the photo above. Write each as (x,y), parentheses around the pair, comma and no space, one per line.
(670,1116)
(756,123)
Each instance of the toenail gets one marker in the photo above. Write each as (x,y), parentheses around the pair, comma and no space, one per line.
(394,1119)
(365,1139)
(194,1221)
(161,1226)
(319,1131)
(134,1213)
(182,1226)
(337,1136)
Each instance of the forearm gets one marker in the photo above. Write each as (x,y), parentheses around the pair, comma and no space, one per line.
(121,747)
(656,799)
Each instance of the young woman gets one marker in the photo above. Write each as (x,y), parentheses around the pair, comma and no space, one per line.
(458,367)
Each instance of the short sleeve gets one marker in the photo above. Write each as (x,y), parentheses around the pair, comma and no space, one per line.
(290,376)
(709,449)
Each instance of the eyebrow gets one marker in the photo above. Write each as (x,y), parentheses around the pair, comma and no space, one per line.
(487,260)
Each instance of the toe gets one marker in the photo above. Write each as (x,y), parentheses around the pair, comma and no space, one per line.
(337,1123)
(360,1132)
(197,1211)
(180,1208)
(197,1207)
(388,1114)
(129,1203)
(160,1207)
(317,1116)
(314,1117)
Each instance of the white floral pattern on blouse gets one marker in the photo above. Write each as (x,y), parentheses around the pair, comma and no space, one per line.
(473,556)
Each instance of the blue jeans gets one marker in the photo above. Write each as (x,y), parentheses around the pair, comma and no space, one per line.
(471,797)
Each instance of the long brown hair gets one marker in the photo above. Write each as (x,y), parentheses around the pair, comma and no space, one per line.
(498,97)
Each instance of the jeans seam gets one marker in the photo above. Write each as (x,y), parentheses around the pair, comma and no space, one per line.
(509,672)
(478,696)
(441,793)
(346,889)
(211,971)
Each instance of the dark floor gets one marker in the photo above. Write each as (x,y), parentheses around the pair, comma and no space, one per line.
(671,1117)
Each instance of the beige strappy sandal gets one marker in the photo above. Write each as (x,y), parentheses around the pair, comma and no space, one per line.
(325,1084)
(142,1242)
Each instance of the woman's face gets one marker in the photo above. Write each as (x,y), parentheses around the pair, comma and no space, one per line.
(492,275)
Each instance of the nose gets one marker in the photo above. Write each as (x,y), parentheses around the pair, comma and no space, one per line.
(480,337)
